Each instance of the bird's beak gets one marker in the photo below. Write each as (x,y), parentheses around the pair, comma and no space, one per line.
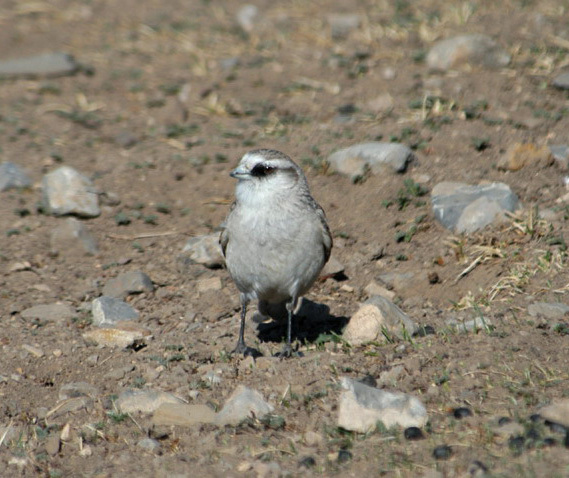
(239,172)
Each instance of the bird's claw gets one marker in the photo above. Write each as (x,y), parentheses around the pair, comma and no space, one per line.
(242,349)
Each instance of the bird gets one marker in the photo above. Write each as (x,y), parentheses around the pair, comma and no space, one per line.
(275,239)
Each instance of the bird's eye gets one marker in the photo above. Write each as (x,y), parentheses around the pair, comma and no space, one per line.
(260,170)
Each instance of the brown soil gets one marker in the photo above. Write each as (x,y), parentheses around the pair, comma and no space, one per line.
(142,55)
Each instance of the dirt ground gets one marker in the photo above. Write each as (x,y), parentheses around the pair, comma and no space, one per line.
(171,95)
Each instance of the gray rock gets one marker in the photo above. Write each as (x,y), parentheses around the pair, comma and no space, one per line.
(13,176)
(557,412)
(376,317)
(52,444)
(148,444)
(73,236)
(473,49)
(464,208)
(361,407)
(66,191)
(376,157)
(341,24)
(183,415)
(78,389)
(70,405)
(52,312)
(562,81)
(143,401)
(333,268)
(548,310)
(247,16)
(107,311)
(560,153)
(46,65)
(204,250)
(471,325)
(132,282)
(243,403)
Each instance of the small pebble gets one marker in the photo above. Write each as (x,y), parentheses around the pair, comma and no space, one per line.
(461,412)
(533,434)
(307,462)
(549,441)
(413,433)
(504,420)
(344,456)
(442,452)
(516,444)
(536,417)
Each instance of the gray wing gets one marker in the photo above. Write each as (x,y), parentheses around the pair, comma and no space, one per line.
(326,236)
(224,235)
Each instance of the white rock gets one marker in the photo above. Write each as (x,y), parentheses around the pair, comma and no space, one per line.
(144,401)
(243,403)
(66,191)
(361,407)
(474,49)
(247,17)
(375,156)
(376,316)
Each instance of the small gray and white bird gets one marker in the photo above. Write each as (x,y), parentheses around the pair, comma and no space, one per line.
(276,239)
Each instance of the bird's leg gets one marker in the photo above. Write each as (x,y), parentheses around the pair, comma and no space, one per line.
(287,350)
(241,348)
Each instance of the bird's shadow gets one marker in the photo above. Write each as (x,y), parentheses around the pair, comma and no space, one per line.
(311,320)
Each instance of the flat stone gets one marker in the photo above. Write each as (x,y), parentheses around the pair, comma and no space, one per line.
(46,65)
(182,414)
(243,403)
(108,311)
(471,325)
(473,49)
(361,407)
(377,157)
(560,153)
(52,444)
(247,17)
(341,24)
(557,412)
(78,389)
(548,310)
(373,288)
(376,317)
(144,401)
(119,336)
(127,283)
(148,444)
(561,81)
(521,155)
(333,268)
(49,312)
(465,208)
(66,191)
(13,176)
(72,236)
(209,284)
(35,351)
(204,250)
(69,405)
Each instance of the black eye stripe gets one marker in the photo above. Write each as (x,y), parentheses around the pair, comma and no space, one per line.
(261,170)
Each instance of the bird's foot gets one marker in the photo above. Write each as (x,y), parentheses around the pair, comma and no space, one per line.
(242,349)
(288,352)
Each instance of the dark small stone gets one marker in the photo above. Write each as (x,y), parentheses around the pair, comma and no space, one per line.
(413,433)
(461,412)
(307,462)
(549,441)
(433,278)
(504,420)
(516,444)
(442,452)
(348,109)
(477,468)
(536,417)
(555,427)
(533,434)
(425,330)
(566,441)
(344,456)
(369,380)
